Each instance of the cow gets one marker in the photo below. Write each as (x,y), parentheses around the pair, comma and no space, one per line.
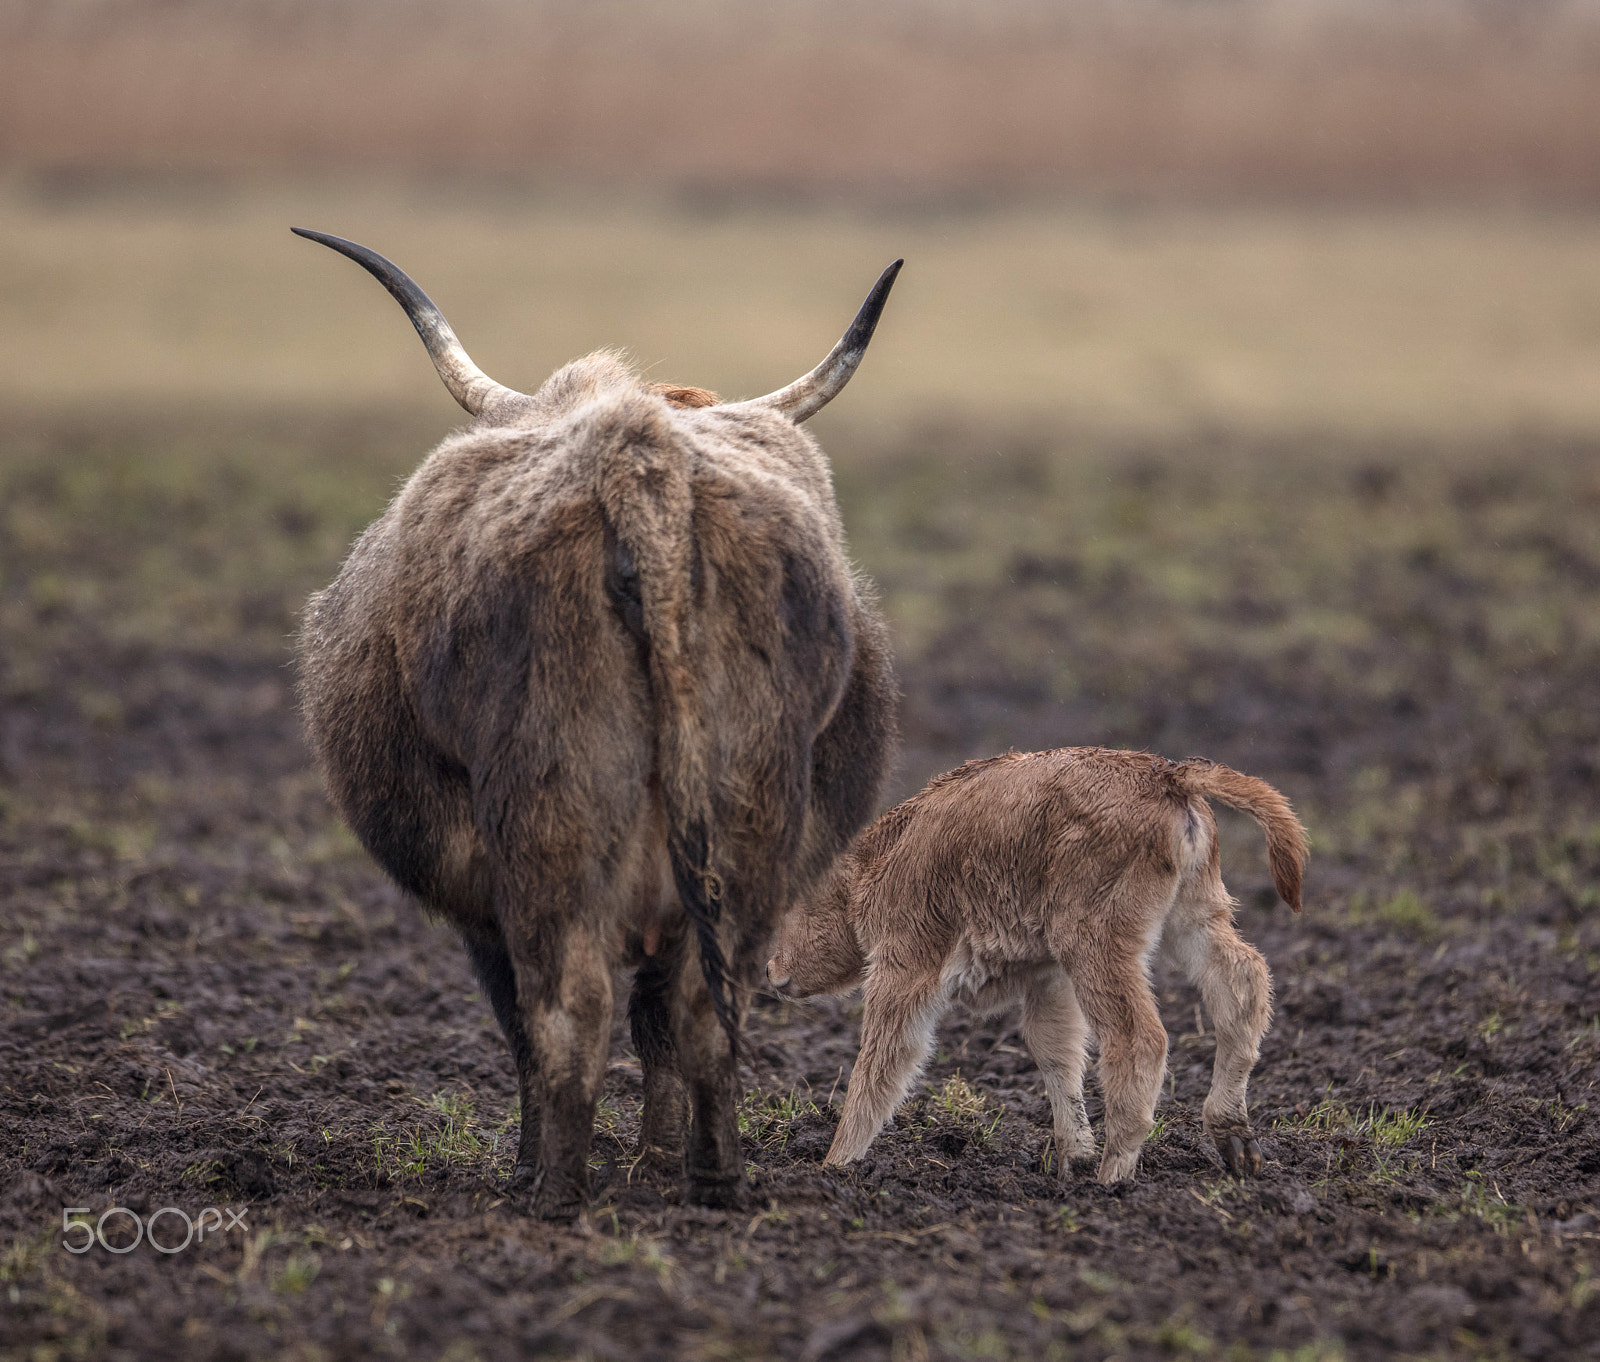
(601,688)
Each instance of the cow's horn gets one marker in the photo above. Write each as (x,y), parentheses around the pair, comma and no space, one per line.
(805,397)
(468,384)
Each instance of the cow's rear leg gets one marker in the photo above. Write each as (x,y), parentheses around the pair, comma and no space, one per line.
(1056,1034)
(705,1059)
(564,997)
(665,1119)
(492,964)
(1237,988)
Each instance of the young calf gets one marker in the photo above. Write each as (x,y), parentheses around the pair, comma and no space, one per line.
(1049,878)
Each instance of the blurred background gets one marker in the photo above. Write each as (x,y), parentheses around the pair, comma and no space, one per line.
(1153,216)
(1254,243)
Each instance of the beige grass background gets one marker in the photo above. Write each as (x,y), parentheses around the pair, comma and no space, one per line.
(1381,322)
(1395,98)
(1141,216)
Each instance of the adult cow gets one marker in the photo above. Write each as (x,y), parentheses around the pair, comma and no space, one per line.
(601,674)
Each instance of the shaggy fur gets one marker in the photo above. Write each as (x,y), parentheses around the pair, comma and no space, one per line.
(598,680)
(1048,878)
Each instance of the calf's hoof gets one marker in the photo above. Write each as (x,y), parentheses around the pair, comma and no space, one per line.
(1117,1167)
(1076,1154)
(1241,1153)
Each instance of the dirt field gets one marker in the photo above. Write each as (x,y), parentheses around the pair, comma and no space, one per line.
(209,997)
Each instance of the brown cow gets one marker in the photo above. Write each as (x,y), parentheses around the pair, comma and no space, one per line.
(1048,878)
(600,674)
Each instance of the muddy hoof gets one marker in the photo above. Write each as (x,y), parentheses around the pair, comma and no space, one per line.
(557,1212)
(1242,1155)
(545,1196)
(717,1194)
(1077,1164)
(656,1164)
(1117,1167)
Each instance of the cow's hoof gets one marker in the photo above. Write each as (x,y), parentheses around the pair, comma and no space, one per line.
(557,1212)
(655,1164)
(545,1196)
(717,1194)
(1076,1157)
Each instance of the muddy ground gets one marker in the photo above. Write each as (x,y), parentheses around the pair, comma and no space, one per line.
(210,998)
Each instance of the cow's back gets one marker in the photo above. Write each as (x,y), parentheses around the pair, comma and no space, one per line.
(477,698)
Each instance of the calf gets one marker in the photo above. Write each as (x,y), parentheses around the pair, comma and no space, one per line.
(1048,878)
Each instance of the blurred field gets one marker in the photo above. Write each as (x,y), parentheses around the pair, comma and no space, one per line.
(1387,322)
(1328,99)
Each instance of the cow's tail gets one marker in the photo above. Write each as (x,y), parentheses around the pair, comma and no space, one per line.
(1286,837)
(651,578)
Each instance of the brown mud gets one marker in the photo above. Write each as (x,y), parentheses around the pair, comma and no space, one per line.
(209,997)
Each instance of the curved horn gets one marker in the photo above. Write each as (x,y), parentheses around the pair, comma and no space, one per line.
(805,397)
(468,384)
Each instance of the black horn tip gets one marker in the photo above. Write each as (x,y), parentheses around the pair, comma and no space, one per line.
(354,249)
(419,307)
(866,321)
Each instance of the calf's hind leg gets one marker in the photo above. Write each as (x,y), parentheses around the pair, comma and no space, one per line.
(1116,998)
(1237,988)
(1055,1032)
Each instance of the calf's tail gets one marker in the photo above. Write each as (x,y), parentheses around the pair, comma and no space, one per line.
(1286,837)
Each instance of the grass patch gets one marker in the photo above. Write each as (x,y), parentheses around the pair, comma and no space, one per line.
(1404,913)
(1481,1200)
(450,1135)
(297,1274)
(1388,1127)
(1381,1134)
(767,1119)
(956,1106)
(635,1250)
(1181,1337)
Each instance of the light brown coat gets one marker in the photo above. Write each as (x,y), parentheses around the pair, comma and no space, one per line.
(1048,878)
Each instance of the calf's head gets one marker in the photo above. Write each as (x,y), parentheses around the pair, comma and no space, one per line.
(818,949)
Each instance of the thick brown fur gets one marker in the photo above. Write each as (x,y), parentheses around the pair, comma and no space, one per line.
(1048,878)
(600,683)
